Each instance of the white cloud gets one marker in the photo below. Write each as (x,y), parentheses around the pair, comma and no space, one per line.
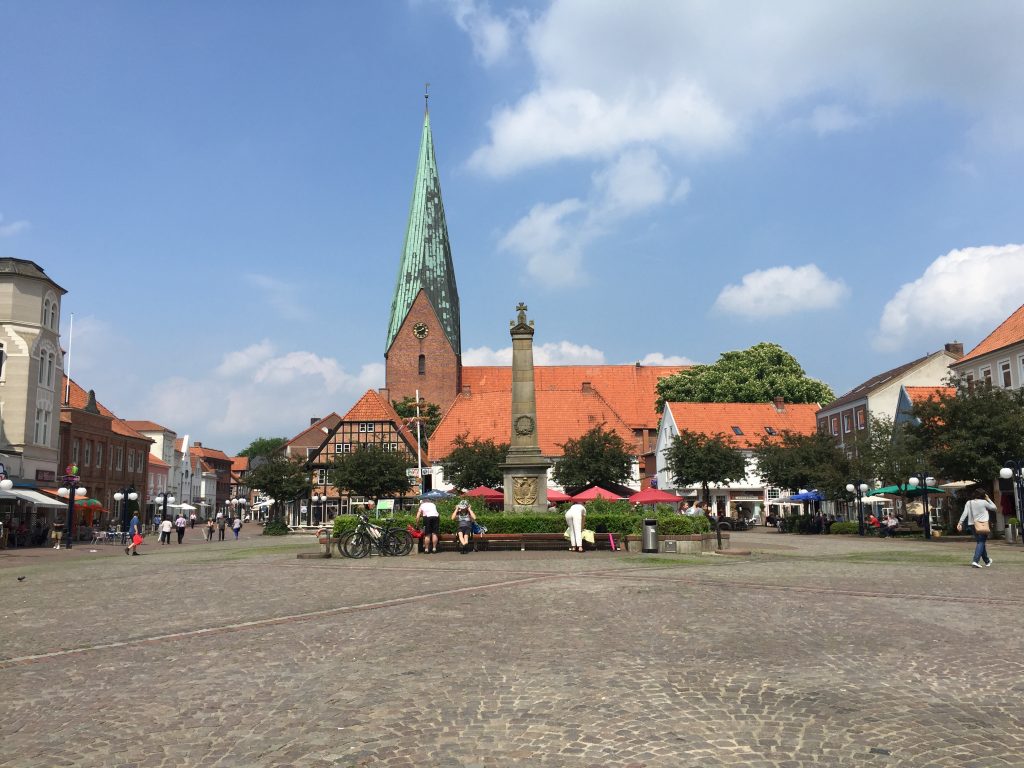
(967,290)
(695,77)
(657,358)
(491,35)
(550,239)
(257,391)
(781,291)
(12,228)
(635,181)
(284,298)
(552,353)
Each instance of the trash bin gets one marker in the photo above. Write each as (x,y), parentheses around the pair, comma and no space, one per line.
(650,537)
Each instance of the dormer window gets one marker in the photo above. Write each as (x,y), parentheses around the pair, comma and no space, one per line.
(771,431)
(737,431)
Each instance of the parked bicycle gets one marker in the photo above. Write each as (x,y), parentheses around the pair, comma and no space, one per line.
(386,538)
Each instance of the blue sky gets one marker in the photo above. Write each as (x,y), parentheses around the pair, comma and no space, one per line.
(223,187)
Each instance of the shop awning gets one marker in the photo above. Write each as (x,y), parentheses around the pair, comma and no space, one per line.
(32,497)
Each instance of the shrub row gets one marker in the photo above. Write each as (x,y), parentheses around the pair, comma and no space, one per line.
(599,522)
(845,528)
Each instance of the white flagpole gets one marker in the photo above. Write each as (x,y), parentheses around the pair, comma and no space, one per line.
(67,372)
(419,454)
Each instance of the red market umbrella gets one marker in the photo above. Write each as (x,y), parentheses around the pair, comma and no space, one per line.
(558,496)
(485,493)
(654,496)
(595,492)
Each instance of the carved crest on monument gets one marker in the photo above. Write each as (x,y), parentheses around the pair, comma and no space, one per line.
(524,490)
(524,425)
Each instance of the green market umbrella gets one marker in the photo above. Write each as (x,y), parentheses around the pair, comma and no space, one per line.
(908,489)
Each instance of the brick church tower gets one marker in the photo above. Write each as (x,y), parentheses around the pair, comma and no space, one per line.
(424,347)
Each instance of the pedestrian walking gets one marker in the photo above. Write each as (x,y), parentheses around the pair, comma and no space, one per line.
(192,521)
(134,535)
(574,517)
(221,524)
(976,513)
(179,523)
(431,525)
(165,531)
(208,531)
(236,526)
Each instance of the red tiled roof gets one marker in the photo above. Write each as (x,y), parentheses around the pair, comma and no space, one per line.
(239,463)
(629,389)
(921,394)
(208,453)
(561,414)
(328,422)
(156,461)
(1010,331)
(79,398)
(751,418)
(372,407)
(146,426)
(205,467)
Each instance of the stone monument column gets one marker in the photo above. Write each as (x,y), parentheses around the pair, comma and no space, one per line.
(526,470)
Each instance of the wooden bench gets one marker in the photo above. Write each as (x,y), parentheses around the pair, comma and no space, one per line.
(522,541)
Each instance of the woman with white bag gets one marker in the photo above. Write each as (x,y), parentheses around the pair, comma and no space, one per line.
(976,514)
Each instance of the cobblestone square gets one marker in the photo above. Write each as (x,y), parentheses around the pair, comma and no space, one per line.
(810,651)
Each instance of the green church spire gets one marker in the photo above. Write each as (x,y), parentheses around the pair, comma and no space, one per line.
(426,256)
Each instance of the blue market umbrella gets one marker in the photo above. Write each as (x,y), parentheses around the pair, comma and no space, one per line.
(435,495)
(808,496)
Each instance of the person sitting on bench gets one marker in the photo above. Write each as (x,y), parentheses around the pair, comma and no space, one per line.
(466,517)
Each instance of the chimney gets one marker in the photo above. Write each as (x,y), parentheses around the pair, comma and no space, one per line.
(385,394)
(467,390)
(780,405)
(196,444)
(313,420)
(955,348)
(587,389)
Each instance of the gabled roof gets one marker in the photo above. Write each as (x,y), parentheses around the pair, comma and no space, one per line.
(1009,332)
(753,419)
(321,426)
(146,426)
(561,414)
(921,394)
(239,463)
(156,461)
(79,398)
(426,254)
(26,268)
(867,387)
(208,453)
(204,467)
(631,390)
(372,407)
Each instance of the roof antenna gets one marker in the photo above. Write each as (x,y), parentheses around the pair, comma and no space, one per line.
(426,97)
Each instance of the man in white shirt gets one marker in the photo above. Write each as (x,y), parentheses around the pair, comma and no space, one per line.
(976,514)
(431,525)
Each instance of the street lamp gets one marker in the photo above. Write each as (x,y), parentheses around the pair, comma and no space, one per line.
(863,489)
(124,496)
(70,490)
(163,498)
(238,504)
(924,480)
(1012,469)
(317,498)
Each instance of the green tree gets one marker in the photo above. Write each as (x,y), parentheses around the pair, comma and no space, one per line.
(599,457)
(814,461)
(264,446)
(474,462)
(282,479)
(694,458)
(889,454)
(969,434)
(372,472)
(755,375)
(430,416)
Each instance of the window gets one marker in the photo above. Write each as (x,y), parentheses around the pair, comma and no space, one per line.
(45,319)
(131,460)
(862,420)
(49,316)
(337,447)
(99,455)
(3,359)
(986,376)
(74,451)
(366,426)
(770,431)
(346,447)
(119,458)
(834,425)
(847,423)
(423,365)
(773,493)
(823,425)
(43,427)
(737,431)
(310,453)
(86,453)
(1004,374)
(47,367)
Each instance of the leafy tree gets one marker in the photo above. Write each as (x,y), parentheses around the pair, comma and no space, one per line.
(889,454)
(372,472)
(281,478)
(430,416)
(264,446)
(796,461)
(473,463)
(599,457)
(755,375)
(969,434)
(694,458)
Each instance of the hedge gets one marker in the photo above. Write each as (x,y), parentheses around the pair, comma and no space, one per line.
(599,522)
(845,528)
